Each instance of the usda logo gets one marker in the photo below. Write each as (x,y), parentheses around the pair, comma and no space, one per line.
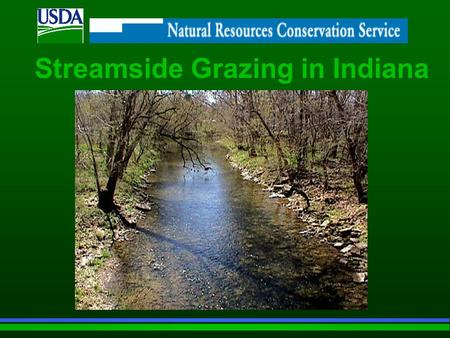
(60,25)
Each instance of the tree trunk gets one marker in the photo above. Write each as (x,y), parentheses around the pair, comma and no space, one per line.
(358,173)
(276,141)
(106,196)
(77,146)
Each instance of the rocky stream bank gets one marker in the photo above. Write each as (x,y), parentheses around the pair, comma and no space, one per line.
(334,217)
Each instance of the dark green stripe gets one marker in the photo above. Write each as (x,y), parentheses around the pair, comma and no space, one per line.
(222,327)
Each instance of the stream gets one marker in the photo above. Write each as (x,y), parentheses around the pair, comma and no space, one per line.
(215,241)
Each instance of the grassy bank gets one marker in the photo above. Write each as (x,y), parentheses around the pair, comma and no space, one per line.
(95,232)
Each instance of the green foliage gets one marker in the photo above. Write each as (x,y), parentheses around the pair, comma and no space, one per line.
(134,171)
(228,143)
(291,158)
(242,157)
(84,174)
(106,253)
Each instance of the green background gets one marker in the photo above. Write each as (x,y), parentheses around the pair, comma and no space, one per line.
(408,147)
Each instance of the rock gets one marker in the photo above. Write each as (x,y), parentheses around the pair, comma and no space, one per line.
(284,179)
(345,231)
(343,261)
(286,188)
(276,195)
(355,233)
(356,251)
(361,245)
(347,248)
(338,244)
(85,260)
(152,170)
(143,206)
(278,187)
(325,223)
(100,234)
(359,277)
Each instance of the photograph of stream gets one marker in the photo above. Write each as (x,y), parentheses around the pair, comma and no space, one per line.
(221,200)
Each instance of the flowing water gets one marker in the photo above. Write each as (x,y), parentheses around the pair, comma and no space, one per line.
(215,241)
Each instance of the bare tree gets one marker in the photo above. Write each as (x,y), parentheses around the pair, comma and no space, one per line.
(130,118)
(306,128)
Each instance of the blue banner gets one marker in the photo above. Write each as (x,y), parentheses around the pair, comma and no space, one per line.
(246,31)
